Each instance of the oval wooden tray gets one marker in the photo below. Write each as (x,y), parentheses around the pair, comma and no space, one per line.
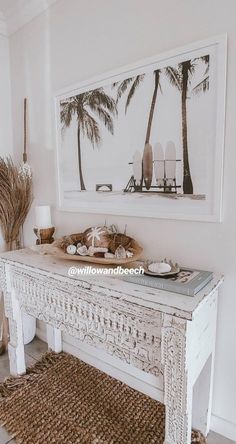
(58,252)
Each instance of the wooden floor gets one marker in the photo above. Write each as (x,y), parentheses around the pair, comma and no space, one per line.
(33,352)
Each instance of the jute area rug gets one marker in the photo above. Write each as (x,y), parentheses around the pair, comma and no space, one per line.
(62,400)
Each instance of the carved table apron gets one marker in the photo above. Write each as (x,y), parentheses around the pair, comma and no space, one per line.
(156,331)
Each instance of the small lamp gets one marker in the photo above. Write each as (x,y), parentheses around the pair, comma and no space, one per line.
(44,230)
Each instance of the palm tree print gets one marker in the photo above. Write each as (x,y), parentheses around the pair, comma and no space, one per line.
(87,107)
(181,77)
(134,83)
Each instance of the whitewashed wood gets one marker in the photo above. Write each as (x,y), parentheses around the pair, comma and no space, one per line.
(177,384)
(165,302)
(16,345)
(158,332)
(54,339)
(203,363)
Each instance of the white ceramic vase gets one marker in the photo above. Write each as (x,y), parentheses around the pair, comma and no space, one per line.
(29,328)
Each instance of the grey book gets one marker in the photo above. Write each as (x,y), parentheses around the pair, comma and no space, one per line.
(187,281)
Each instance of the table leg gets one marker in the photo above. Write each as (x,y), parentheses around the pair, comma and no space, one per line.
(203,387)
(177,389)
(203,398)
(13,312)
(54,339)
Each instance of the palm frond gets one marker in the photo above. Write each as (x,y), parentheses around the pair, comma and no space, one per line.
(192,66)
(90,128)
(105,117)
(96,101)
(201,87)
(68,109)
(98,97)
(174,76)
(133,89)
(122,87)
(206,60)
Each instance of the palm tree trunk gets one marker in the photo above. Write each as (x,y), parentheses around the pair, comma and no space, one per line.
(187,181)
(151,114)
(152,109)
(82,186)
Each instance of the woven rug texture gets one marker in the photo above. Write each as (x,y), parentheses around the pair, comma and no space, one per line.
(62,400)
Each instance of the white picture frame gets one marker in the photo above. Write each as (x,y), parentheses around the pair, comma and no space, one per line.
(208,209)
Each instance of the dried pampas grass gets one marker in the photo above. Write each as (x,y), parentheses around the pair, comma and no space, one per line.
(15,200)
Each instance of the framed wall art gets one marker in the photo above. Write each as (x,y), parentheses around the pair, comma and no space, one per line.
(148,139)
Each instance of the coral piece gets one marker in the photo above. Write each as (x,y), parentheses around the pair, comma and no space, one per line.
(129,253)
(93,250)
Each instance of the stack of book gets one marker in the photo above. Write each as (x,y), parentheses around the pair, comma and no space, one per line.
(187,281)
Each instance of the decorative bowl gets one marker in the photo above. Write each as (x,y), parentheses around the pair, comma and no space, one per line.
(175,269)
(57,249)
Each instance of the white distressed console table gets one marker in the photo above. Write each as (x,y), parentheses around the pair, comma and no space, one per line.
(159,332)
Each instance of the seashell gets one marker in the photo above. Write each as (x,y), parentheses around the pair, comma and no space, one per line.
(159,267)
(93,250)
(129,253)
(78,245)
(96,237)
(71,249)
(109,255)
(82,251)
(120,252)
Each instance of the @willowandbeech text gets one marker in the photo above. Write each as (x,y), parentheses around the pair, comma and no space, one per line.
(89,270)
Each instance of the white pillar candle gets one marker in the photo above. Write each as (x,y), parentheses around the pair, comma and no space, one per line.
(43,216)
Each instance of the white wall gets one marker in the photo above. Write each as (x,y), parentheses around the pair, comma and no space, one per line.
(5,99)
(77,39)
(6,147)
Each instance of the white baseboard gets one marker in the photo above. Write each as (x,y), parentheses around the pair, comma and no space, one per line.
(223,427)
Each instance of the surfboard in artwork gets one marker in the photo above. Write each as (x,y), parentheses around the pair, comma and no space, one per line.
(137,167)
(158,160)
(170,157)
(147,165)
